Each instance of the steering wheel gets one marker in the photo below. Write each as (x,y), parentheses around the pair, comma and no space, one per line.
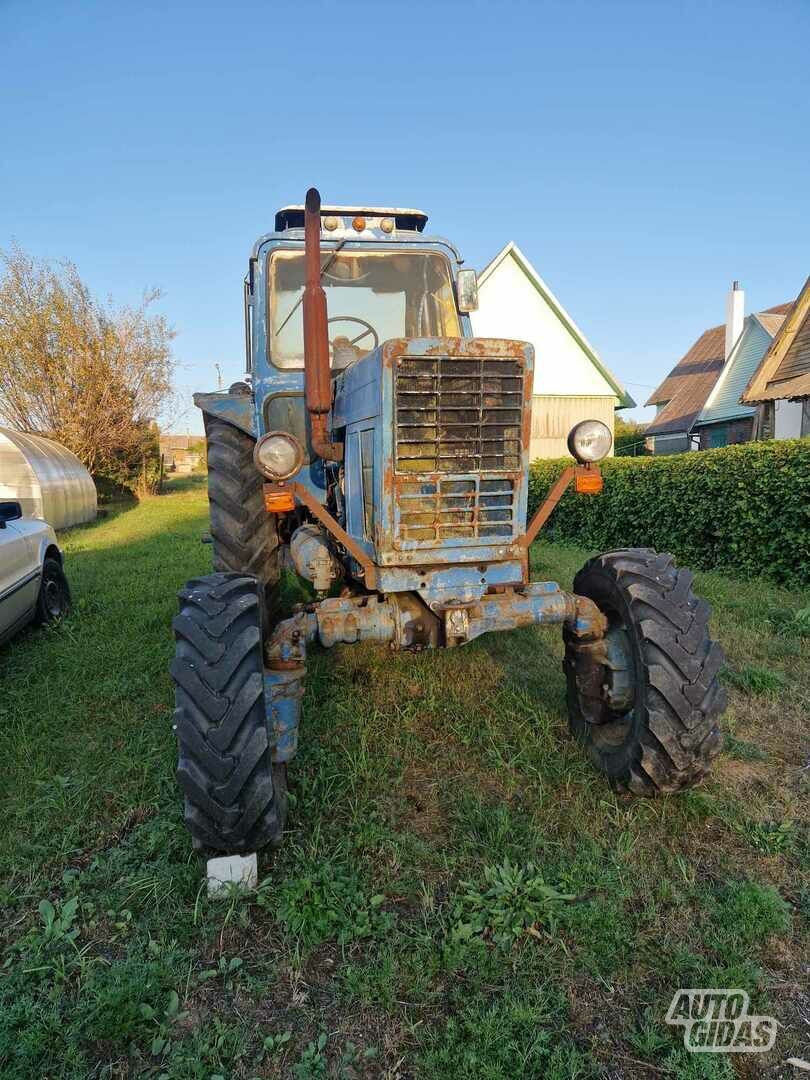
(369,329)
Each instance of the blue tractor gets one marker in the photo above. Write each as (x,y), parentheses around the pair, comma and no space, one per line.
(380,451)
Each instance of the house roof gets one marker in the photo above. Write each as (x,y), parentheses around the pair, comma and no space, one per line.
(687,387)
(723,402)
(772,322)
(785,368)
(625,401)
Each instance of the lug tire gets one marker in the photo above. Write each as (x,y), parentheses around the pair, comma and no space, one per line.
(53,601)
(668,738)
(235,797)
(244,535)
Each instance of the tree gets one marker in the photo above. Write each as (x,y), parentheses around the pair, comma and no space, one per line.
(92,377)
(628,437)
(201,450)
(628,426)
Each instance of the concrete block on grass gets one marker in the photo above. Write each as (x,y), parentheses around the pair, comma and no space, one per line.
(231,869)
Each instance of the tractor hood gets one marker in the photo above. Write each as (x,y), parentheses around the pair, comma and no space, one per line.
(436,435)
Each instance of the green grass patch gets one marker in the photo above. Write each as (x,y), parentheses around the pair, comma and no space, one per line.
(459,893)
(756,680)
(742,750)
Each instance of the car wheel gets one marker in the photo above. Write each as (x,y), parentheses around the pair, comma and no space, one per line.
(53,602)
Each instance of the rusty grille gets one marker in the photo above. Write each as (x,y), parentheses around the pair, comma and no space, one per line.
(457,416)
(467,507)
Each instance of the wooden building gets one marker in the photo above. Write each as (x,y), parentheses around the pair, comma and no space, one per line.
(570,381)
(780,386)
(681,398)
(180,453)
(724,419)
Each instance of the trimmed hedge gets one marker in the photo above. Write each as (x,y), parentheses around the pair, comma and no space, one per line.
(742,508)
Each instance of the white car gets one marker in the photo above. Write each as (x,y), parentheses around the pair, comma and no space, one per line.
(33,585)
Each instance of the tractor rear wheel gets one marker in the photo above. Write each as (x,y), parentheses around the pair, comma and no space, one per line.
(244,535)
(657,729)
(235,797)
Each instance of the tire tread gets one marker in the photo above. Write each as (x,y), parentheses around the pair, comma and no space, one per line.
(224,769)
(244,535)
(679,735)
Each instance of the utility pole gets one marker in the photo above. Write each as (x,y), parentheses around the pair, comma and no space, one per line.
(219,377)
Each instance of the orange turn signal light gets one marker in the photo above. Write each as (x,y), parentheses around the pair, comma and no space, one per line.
(588,482)
(278,502)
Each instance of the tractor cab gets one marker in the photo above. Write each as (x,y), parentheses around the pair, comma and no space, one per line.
(408,431)
(381,276)
(371,296)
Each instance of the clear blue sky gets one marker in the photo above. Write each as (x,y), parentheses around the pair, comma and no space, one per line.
(641,154)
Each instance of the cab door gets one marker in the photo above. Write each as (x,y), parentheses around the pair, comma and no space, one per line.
(19,576)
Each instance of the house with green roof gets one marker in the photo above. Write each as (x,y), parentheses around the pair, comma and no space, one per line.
(724,419)
(571,382)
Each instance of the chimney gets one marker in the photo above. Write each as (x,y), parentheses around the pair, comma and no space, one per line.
(735,314)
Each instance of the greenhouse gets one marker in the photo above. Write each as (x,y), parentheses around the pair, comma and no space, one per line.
(47,479)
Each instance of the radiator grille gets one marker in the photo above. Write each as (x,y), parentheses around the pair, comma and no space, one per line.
(463,508)
(458,422)
(458,414)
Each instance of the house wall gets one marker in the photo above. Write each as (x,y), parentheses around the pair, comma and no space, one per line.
(796,360)
(553,416)
(787,419)
(180,460)
(726,433)
(510,306)
(567,386)
(672,444)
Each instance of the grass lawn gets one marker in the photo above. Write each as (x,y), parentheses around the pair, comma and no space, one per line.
(459,896)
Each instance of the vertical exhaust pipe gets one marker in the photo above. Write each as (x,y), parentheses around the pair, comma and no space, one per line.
(317,377)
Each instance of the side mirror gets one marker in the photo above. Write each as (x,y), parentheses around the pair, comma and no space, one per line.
(467,290)
(9,511)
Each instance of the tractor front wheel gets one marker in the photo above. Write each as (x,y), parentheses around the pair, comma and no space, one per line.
(655,730)
(235,796)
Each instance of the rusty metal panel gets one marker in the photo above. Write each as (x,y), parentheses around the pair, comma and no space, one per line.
(461,414)
(459,581)
(236,409)
(458,414)
(438,508)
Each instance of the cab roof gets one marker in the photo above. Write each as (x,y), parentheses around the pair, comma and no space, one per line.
(292,217)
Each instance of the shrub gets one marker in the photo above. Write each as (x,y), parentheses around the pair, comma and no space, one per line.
(745,508)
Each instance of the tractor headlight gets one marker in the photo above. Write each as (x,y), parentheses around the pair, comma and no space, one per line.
(278,455)
(589,440)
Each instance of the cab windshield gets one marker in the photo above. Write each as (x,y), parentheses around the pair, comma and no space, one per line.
(371,296)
